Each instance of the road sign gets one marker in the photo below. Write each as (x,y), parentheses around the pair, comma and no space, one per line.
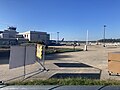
(39,53)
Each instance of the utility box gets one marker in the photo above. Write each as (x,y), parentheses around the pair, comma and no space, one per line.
(114,63)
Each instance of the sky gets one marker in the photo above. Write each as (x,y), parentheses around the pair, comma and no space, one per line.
(71,18)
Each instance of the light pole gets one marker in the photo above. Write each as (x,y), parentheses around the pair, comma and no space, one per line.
(87,38)
(85,47)
(104,36)
(57,37)
(51,36)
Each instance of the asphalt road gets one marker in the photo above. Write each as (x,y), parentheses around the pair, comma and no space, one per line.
(57,87)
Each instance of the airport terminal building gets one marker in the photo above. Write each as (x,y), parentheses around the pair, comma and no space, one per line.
(11,37)
(35,36)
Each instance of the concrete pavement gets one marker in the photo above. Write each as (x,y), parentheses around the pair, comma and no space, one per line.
(88,64)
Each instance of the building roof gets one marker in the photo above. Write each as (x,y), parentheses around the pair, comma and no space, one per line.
(34,32)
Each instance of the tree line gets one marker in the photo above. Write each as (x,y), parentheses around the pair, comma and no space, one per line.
(109,40)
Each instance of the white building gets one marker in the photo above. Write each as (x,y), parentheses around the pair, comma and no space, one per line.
(10,37)
(35,36)
(10,32)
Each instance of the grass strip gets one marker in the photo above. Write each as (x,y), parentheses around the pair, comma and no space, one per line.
(61,50)
(67,81)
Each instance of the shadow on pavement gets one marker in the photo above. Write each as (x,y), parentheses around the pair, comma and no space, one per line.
(88,75)
(4,61)
(77,75)
(4,53)
(72,65)
(4,56)
(56,56)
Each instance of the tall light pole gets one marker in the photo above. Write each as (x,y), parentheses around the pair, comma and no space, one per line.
(85,47)
(57,37)
(87,38)
(51,36)
(104,36)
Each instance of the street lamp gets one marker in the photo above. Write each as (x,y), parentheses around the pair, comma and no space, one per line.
(104,36)
(85,47)
(57,37)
